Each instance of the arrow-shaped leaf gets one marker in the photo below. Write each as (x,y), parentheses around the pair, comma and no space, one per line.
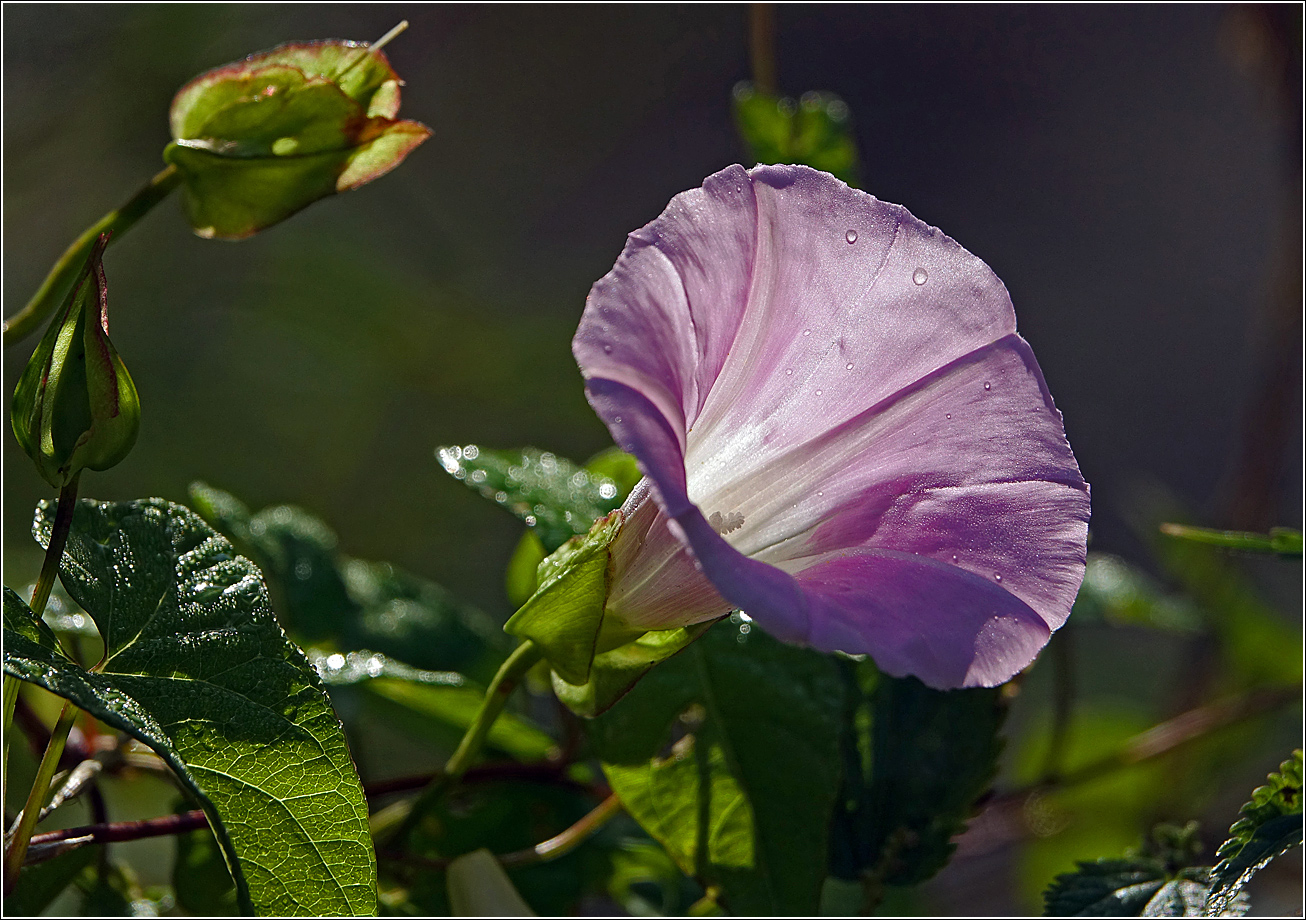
(198,669)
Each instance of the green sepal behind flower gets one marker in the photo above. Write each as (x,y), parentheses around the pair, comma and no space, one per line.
(259,139)
(75,406)
(565,615)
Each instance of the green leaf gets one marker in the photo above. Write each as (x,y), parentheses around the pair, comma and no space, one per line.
(1135,886)
(555,497)
(727,754)
(916,762)
(200,876)
(478,887)
(565,615)
(1281,540)
(198,670)
(519,578)
(1116,592)
(1271,825)
(816,131)
(41,883)
(259,139)
(325,596)
(447,699)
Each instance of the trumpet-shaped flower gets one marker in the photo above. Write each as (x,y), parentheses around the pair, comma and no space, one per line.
(841,432)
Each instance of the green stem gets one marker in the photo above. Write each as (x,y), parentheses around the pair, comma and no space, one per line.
(56,284)
(501,687)
(17,851)
(63,522)
(496,697)
(11,703)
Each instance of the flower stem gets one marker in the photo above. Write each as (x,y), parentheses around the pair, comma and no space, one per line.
(496,697)
(501,687)
(56,284)
(17,851)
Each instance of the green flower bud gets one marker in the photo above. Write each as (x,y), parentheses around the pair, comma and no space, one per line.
(75,405)
(259,139)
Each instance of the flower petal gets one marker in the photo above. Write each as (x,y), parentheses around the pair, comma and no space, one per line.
(839,421)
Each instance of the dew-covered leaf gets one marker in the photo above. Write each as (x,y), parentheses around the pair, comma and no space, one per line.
(443,703)
(555,497)
(916,762)
(1271,824)
(324,595)
(727,754)
(198,669)
(815,131)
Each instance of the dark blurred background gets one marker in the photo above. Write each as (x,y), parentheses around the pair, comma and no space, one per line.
(1132,174)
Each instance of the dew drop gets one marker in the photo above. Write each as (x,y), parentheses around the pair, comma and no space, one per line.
(850,367)
(617,420)
(607,349)
(947,415)
(988,386)
(954,557)
(997,576)
(807,332)
(851,236)
(919,276)
(790,372)
(818,392)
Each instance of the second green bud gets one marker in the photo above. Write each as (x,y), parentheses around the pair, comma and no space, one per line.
(75,407)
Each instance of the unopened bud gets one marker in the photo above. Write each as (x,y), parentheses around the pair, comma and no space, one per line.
(75,406)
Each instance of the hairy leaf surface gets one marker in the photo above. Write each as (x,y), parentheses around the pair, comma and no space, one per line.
(198,669)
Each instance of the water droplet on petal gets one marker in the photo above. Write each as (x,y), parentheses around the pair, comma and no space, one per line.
(997,576)
(954,557)
(807,332)
(850,367)
(607,349)
(988,386)
(947,415)
(851,236)
(818,392)
(617,419)
(920,276)
(790,372)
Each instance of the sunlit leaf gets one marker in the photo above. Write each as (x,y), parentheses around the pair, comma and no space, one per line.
(554,496)
(198,670)
(1271,825)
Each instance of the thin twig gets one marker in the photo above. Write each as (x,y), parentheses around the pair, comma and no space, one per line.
(555,847)
(1166,737)
(129,830)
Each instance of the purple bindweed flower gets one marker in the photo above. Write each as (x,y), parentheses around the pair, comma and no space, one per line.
(841,432)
